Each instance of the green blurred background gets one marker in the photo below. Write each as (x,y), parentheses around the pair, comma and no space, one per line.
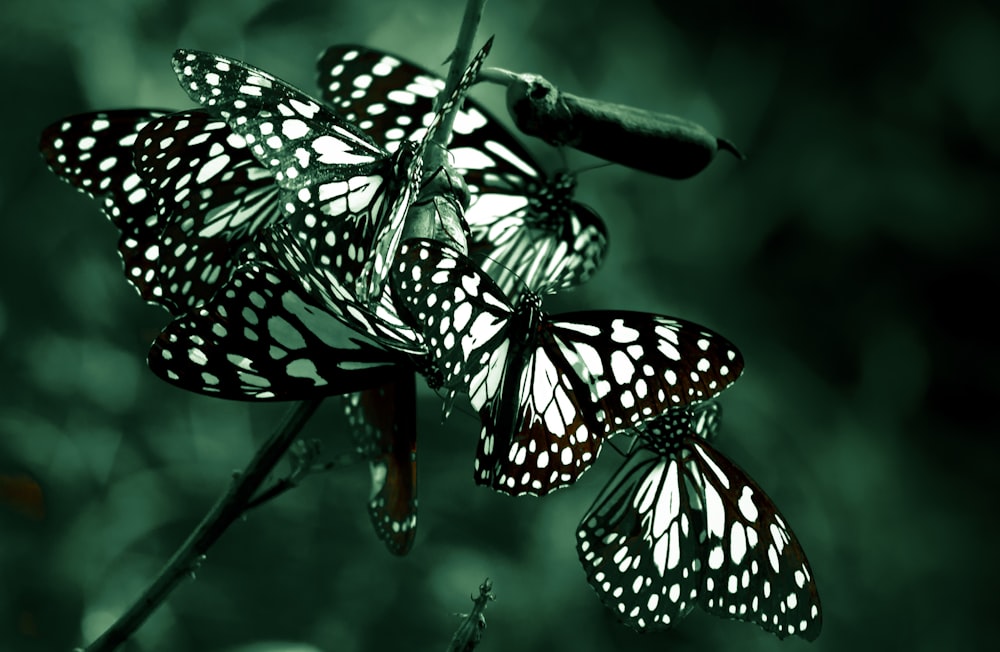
(849,258)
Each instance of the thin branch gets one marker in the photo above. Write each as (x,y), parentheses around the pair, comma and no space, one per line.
(460,57)
(298,473)
(230,506)
(500,76)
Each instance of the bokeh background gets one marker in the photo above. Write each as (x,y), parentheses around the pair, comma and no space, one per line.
(850,257)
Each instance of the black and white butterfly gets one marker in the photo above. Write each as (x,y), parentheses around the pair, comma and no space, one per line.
(344,196)
(680,525)
(527,231)
(548,390)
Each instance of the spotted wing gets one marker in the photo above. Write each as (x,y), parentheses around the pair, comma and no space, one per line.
(325,287)
(639,365)
(300,141)
(536,237)
(93,153)
(260,338)
(212,197)
(754,567)
(384,427)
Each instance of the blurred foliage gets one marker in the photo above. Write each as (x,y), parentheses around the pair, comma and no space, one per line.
(849,258)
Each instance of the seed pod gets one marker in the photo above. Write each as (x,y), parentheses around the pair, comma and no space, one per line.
(658,143)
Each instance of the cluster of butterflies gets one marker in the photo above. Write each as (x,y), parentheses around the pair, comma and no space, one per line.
(270,225)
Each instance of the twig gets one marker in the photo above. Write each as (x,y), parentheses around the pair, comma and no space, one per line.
(300,470)
(460,57)
(500,76)
(230,506)
(470,632)
(440,210)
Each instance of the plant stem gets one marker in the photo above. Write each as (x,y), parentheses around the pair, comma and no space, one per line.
(292,480)
(460,57)
(500,76)
(230,506)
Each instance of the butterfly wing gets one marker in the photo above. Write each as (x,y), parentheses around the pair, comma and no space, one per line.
(379,322)
(639,545)
(93,153)
(260,338)
(638,365)
(212,197)
(754,567)
(536,238)
(384,427)
(300,141)
(540,434)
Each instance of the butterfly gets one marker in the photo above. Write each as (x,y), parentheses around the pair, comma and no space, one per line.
(680,525)
(548,390)
(261,337)
(526,229)
(345,197)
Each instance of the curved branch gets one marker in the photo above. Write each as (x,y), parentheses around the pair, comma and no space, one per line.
(230,506)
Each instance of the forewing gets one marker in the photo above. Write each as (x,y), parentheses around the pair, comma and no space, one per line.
(392,99)
(93,152)
(388,97)
(295,137)
(384,426)
(459,311)
(638,365)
